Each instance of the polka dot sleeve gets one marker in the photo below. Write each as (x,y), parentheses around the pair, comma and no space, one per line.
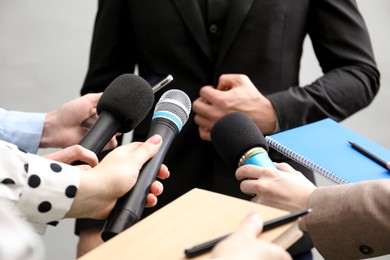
(42,189)
(17,238)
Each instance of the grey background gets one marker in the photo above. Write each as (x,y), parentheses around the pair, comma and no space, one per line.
(44,46)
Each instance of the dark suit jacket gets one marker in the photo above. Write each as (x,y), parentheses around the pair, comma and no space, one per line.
(262,39)
(350,221)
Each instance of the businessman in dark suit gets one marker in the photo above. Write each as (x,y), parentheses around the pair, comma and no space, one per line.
(197,41)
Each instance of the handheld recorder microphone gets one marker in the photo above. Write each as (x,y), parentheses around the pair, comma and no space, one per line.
(239,141)
(170,115)
(122,106)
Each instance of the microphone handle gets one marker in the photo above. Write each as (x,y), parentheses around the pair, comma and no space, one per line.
(129,208)
(105,127)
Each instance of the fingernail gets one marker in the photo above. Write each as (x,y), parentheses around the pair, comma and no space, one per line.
(155,139)
(254,216)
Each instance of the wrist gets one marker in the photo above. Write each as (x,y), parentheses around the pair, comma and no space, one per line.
(306,197)
(273,118)
(81,206)
(266,119)
(47,139)
(302,224)
(306,205)
(93,199)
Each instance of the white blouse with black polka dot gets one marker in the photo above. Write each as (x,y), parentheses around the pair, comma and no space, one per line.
(42,190)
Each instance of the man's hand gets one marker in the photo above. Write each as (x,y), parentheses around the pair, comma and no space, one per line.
(234,93)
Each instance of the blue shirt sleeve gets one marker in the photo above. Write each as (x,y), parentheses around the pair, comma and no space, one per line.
(23,129)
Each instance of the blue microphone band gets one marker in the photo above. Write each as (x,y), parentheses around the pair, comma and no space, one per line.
(258,157)
(170,116)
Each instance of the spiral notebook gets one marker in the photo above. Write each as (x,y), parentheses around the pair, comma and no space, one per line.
(323,147)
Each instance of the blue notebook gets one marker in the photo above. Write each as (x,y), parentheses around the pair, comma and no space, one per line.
(323,147)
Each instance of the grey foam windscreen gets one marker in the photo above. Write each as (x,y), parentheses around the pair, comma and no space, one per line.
(129,98)
(235,134)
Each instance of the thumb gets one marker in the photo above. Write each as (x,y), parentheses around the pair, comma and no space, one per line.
(228,81)
(209,93)
(146,151)
(251,226)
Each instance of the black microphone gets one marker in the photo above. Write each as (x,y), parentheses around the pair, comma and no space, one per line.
(122,106)
(239,141)
(170,115)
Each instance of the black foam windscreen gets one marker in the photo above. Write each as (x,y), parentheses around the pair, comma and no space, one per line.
(235,134)
(129,98)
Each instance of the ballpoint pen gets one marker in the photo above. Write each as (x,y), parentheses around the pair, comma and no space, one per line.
(370,155)
(273,223)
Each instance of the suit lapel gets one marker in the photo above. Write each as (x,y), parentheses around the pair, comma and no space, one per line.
(192,17)
(238,11)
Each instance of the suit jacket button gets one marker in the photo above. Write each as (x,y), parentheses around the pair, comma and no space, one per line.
(213,29)
(366,250)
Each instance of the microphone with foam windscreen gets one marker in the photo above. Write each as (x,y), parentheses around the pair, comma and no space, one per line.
(122,106)
(170,115)
(239,141)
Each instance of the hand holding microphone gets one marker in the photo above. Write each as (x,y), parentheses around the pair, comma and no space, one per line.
(170,115)
(123,105)
(239,142)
